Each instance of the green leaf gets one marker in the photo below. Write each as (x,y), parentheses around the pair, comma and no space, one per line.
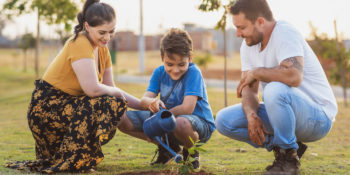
(199,144)
(191,151)
(191,140)
(199,149)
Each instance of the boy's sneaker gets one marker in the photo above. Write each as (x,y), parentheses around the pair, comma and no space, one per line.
(164,156)
(195,163)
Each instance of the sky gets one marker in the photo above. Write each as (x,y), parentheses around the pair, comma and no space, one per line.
(160,15)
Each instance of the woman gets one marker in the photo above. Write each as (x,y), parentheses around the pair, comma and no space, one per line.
(76,107)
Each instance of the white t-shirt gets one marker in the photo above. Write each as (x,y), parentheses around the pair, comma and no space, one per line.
(286,42)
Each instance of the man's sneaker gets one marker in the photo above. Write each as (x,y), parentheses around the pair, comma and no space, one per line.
(279,158)
(195,163)
(301,150)
(164,156)
(286,162)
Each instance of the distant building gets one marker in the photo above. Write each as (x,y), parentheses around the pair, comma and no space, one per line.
(152,42)
(203,40)
(127,41)
(233,43)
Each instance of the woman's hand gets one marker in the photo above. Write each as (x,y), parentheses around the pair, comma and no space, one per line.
(119,93)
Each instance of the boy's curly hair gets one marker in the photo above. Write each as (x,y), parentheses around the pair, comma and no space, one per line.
(176,41)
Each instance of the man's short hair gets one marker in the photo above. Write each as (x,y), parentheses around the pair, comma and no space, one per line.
(252,9)
(176,41)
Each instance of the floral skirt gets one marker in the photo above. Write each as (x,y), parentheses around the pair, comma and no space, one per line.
(69,130)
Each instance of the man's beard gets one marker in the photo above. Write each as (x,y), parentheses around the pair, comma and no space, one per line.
(256,38)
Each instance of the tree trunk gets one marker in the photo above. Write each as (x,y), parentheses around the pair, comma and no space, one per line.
(141,42)
(345,96)
(25,60)
(225,69)
(37,49)
(343,82)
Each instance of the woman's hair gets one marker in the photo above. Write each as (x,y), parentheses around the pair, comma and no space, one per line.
(95,14)
(176,41)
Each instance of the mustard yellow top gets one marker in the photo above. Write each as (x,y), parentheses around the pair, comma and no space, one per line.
(60,73)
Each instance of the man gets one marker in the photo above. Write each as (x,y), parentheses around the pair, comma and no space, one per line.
(298,102)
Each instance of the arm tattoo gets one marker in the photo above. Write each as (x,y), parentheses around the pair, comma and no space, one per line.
(295,64)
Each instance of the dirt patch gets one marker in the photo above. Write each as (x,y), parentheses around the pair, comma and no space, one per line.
(164,172)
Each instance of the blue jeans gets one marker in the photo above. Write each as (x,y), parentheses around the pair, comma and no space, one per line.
(287,113)
(199,125)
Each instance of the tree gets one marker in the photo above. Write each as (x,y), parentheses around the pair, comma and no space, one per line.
(335,52)
(27,42)
(50,11)
(63,34)
(2,25)
(215,5)
(203,60)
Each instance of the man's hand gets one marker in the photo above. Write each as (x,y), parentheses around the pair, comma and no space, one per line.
(154,106)
(256,129)
(247,80)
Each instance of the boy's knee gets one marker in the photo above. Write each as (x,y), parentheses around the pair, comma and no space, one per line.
(182,124)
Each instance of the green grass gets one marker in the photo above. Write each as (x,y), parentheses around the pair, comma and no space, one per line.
(330,155)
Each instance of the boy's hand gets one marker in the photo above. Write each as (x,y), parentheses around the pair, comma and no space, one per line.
(155,104)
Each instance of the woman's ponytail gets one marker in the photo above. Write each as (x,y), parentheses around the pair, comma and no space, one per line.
(81,17)
(78,28)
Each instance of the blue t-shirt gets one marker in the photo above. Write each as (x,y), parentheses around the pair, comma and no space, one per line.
(191,83)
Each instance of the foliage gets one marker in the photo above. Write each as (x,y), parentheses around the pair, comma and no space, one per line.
(215,5)
(203,60)
(211,5)
(64,35)
(185,166)
(2,24)
(27,41)
(51,11)
(333,50)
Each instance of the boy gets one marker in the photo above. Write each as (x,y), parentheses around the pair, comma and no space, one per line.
(182,91)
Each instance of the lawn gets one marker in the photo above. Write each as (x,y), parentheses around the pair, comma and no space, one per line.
(330,155)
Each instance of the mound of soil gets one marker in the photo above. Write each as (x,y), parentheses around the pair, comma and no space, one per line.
(164,172)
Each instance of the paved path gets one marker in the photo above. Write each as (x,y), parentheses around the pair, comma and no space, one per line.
(216,83)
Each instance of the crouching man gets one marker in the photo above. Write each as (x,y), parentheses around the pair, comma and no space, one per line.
(298,103)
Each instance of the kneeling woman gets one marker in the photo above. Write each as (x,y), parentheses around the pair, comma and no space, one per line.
(76,107)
